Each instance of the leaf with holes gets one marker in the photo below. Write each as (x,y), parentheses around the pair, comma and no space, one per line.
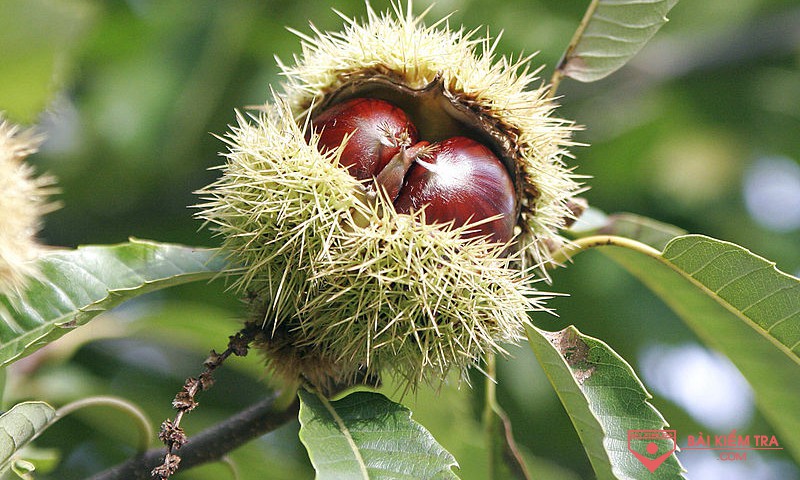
(604,399)
(739,304)
(610,34)
(74,286)
(365,435)
(19,426)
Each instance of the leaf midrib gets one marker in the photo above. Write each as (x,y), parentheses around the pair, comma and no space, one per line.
(362,466)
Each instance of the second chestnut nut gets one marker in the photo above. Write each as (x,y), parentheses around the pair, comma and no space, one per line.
(456,180)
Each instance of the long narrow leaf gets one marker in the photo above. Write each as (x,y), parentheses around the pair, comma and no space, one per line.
(367,436)
(605,401)
(74,286)
(740,304)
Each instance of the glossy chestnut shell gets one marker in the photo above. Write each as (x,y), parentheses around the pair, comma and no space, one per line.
(457,180)
(378,131)
(461,181)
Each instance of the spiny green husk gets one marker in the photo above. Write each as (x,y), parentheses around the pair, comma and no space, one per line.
(23,202)
(348,288)
(397,45)
(354,300)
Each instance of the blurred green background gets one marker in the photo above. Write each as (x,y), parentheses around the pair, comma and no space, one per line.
(701,130)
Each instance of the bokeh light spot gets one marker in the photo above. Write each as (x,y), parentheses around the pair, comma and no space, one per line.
(772,193)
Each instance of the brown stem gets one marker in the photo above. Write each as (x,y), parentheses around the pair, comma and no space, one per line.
(211,444)
(558,74)
(171,432)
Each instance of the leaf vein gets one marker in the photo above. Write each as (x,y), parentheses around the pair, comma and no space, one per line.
(346,433)
(630,26)
(741,276)
(771,294)
(781,320)
(710,262)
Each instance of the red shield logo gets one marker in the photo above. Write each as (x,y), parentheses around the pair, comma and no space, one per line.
(652,447)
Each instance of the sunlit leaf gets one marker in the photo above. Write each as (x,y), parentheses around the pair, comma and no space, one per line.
(448,413)
(740,304)
(74,286)
(366,436)
(610,34)
(604,399)
(19,426)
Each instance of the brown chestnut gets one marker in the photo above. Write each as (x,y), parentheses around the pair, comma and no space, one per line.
(377,129)
(462,181)
(457,180)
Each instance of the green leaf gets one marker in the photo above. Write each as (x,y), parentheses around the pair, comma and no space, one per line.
(450,417)
(365,435)
(74,286)
(604,399)
(19,426)
(739,304)
(610,34)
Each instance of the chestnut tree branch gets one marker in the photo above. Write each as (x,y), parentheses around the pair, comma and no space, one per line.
(211,444)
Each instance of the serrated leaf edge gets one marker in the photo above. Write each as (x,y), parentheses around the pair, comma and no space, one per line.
(721,301)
